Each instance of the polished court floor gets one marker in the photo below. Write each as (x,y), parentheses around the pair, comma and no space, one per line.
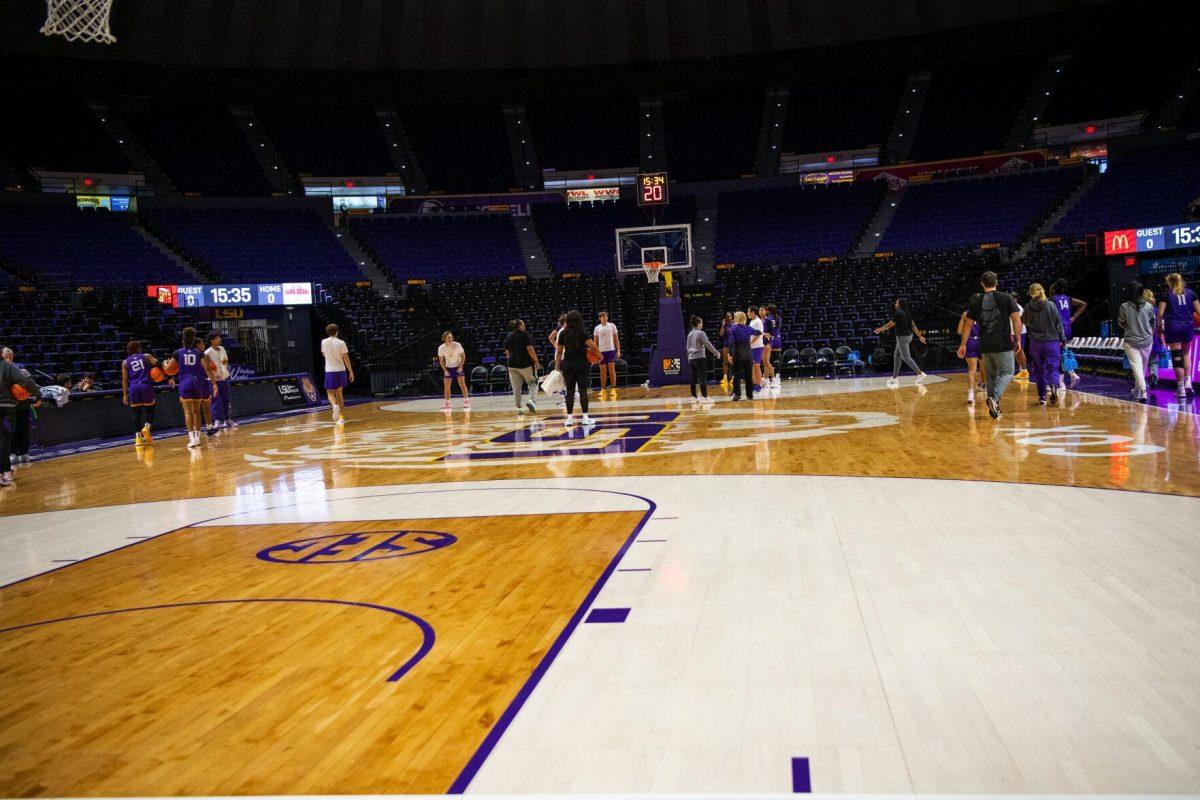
(842,588)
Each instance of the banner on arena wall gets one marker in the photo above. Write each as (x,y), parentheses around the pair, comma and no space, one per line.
(597,194)
(297,390)
(1165,266)
(437,204)
(902,174)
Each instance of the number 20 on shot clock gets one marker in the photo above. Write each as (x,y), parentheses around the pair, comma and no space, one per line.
(652,189)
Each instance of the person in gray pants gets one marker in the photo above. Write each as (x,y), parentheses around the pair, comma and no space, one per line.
(1000,329)
(522,361)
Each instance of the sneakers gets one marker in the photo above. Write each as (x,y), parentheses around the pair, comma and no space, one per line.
(1023,375)
(466,405)
(921,376)
(893,383)
(587,421)
(445,406)
(993,408)
(341,422)
(569,421)
(146,433)
(1187,388)
(1053,395)
(520,411)
(6,479)
(1074,379)
(230,423)
(706,401)
(531,406)
(193,439)
(777,382)
(970,397)
(1141,397)
(1181,395)
(1042,402)
(137,440)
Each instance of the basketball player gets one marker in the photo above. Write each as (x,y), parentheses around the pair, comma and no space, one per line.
(768,323)
(553,339)
(223,400)
(756,347)
(210,388)
(998,318)
(1176,329)
(338,371)
(973,362)
(522,363)
(1069,309)
(194,368)
(606,338)
(570,358)
(12,377)
(725,337)
(1046,338)
(697,343)
(906,329)
(741,357)
(451,356)
(776,338)
(137,390)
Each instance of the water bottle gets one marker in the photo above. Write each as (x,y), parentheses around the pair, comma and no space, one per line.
(1104,328)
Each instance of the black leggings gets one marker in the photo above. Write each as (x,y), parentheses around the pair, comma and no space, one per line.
(142,415)
(743,370)
(8,421)
(577,376)
(699,375)
(20,436)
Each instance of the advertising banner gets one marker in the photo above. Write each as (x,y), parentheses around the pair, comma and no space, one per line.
(902,174)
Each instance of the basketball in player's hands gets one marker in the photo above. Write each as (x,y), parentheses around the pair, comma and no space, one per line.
(593,357)
(157,375)
(170,367)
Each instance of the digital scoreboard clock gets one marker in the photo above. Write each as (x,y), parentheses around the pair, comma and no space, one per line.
(652,189)
(1151,240)
(233,294)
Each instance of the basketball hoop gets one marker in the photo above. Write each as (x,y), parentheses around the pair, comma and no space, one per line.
(79,20)
(652,270)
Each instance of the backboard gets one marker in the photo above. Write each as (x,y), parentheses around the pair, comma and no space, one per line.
(669,244)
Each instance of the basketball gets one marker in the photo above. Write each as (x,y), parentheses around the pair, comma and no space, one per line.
(157,375)
(593,357)
(19,393)
(170,367)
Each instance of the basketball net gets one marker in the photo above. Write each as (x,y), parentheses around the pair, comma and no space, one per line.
(652,269)
(79,20)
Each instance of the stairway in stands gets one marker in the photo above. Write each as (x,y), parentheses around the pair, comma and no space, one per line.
(1043,230)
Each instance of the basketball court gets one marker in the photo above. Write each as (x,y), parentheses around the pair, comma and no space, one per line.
(845,588)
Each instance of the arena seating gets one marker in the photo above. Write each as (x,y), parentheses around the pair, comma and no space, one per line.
(585,134)
(256,244)
(66,246)
(328,141)
(376,324)
(975,211)
(579,236)
(712,134)
(1148,186)
(437,247)
(199,146)
(842,114)
(461,148)
(792,224)
(971,107)
(39,140)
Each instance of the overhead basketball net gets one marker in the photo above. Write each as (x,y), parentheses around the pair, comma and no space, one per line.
(79,20)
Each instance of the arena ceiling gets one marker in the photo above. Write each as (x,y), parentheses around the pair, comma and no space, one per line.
(431,35)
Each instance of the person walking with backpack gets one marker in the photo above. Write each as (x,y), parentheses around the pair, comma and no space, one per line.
(1000,330)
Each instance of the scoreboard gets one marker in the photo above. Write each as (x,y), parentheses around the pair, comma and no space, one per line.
(652,189)
(231,294)
(1151,240)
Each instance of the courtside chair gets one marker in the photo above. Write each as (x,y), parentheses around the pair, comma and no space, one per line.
(479,379)
(499,377)
(808,360)
(789,361)
(827,362)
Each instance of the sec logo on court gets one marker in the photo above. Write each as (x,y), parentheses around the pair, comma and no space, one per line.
(356,548)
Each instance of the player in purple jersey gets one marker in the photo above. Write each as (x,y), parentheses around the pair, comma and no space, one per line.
(137,390)
(1070,309)
(194,386)
(725,337)
(768,369)
(1176,329)
(975,376)
(776,338)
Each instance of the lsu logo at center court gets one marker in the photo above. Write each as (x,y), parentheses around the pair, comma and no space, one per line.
(355,548)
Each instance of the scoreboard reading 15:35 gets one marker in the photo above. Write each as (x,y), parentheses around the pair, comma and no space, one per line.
(652,189)
(240,294)
(1150,240)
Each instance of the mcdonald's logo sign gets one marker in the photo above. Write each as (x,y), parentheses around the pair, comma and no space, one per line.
(1119,242)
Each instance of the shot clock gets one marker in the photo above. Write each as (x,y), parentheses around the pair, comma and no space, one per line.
(652,189)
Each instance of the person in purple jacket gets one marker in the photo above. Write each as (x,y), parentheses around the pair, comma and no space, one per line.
(137,390)
(740,358)
(194,387)
(1176,327)
(1069,309)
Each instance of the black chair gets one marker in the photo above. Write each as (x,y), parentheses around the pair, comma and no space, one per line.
(622,368)
(808,360)
(826,361)
(479,379)
(846,362)
(498,378)
(789,362)
(881,360)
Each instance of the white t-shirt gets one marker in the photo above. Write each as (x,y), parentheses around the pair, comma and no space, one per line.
(757,324)
(1020,313)
(333,349)
(606,337)
(453,353)
(218,356)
